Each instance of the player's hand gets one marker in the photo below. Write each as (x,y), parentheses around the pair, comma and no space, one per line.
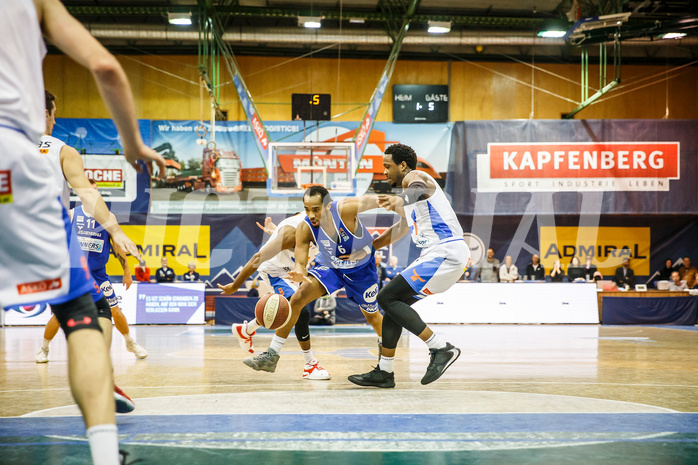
(228,289)
(127,280)
(122,240)
(148,155)
(391,202)
(299,276)
(269,226)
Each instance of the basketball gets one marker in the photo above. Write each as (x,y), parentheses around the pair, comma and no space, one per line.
(272,311)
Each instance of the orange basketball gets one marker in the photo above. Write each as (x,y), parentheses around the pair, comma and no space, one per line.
(272,311)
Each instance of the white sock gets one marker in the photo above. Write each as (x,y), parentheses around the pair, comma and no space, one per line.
(45,343)
(104,444)
(127,337)
(277,343)
(251,327)
(387,364)
(436,342)
(308,356)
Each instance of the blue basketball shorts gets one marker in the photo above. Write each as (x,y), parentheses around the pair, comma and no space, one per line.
(280,285)
(360,284)
(103,287)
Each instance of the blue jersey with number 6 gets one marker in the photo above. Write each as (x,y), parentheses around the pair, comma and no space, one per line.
(344,242)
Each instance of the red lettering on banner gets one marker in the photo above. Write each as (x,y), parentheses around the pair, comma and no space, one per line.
(259,131)
(363,131)
(334,163)
(39,286)
(584,160)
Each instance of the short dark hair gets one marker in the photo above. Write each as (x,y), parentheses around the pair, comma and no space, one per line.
(321,191)
(402,152)
(49,98)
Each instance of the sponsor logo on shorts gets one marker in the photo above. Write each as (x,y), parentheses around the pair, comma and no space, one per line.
(39,286)
(372,308)
(371,293)
(415,276)
(107,289)
(85,321)
(5,186)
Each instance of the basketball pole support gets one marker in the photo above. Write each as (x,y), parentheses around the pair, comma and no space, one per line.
(363,132)
(259,131)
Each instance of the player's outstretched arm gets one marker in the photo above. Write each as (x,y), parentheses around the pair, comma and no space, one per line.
(286,239)
(74,172)
(269,227)
(73,39)
(300,254)
(121,256)
(392,234)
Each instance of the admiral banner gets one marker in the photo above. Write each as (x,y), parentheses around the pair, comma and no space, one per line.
(180,244)
(608,247)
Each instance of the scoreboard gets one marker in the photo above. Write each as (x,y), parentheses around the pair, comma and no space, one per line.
(420,103)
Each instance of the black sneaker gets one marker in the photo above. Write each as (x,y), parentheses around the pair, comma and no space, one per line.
(123,456)
(441,359)
(377,378)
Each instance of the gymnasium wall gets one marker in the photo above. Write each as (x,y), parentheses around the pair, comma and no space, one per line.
(166,87)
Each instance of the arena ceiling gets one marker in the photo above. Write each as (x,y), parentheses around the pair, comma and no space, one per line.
(480,29)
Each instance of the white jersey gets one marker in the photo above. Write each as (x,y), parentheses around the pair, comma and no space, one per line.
(433,221)
(21,74)
(51,147)
(282,262)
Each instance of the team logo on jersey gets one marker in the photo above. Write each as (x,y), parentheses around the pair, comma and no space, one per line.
(343,234)
(371,293)
(325,242)
(5,186)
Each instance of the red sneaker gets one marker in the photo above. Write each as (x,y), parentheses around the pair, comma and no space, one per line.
(124,404)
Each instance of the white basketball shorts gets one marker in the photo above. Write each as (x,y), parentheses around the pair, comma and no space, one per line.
(438,267)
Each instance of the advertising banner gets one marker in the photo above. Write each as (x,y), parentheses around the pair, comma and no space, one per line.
(176,303)
(608,247)
(625,166)
(37,315)
(181,244)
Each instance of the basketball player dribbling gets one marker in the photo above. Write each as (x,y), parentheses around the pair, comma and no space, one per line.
(337,232)
(37,263)
(435,228)
(273,262)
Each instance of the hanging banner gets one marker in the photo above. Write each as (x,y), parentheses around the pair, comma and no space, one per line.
(620,166)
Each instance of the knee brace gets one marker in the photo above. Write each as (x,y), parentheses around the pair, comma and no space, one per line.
(302,328)
(76,314)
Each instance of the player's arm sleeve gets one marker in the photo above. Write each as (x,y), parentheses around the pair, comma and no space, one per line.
(416,191)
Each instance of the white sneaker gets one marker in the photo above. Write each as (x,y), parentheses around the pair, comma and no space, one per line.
(314,371)
(42,356)
(245,340)
(133,346)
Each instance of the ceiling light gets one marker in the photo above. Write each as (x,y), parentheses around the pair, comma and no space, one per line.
(357,20)
(179,19)
(673,35)
(439,27)
(553,29)
(311,22)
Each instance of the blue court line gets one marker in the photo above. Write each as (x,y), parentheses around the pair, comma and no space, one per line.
(449,423)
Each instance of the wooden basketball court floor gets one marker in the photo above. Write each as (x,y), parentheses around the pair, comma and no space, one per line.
(553,394)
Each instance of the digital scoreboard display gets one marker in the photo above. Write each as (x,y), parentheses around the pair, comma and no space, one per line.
(311,107)
(420,103)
